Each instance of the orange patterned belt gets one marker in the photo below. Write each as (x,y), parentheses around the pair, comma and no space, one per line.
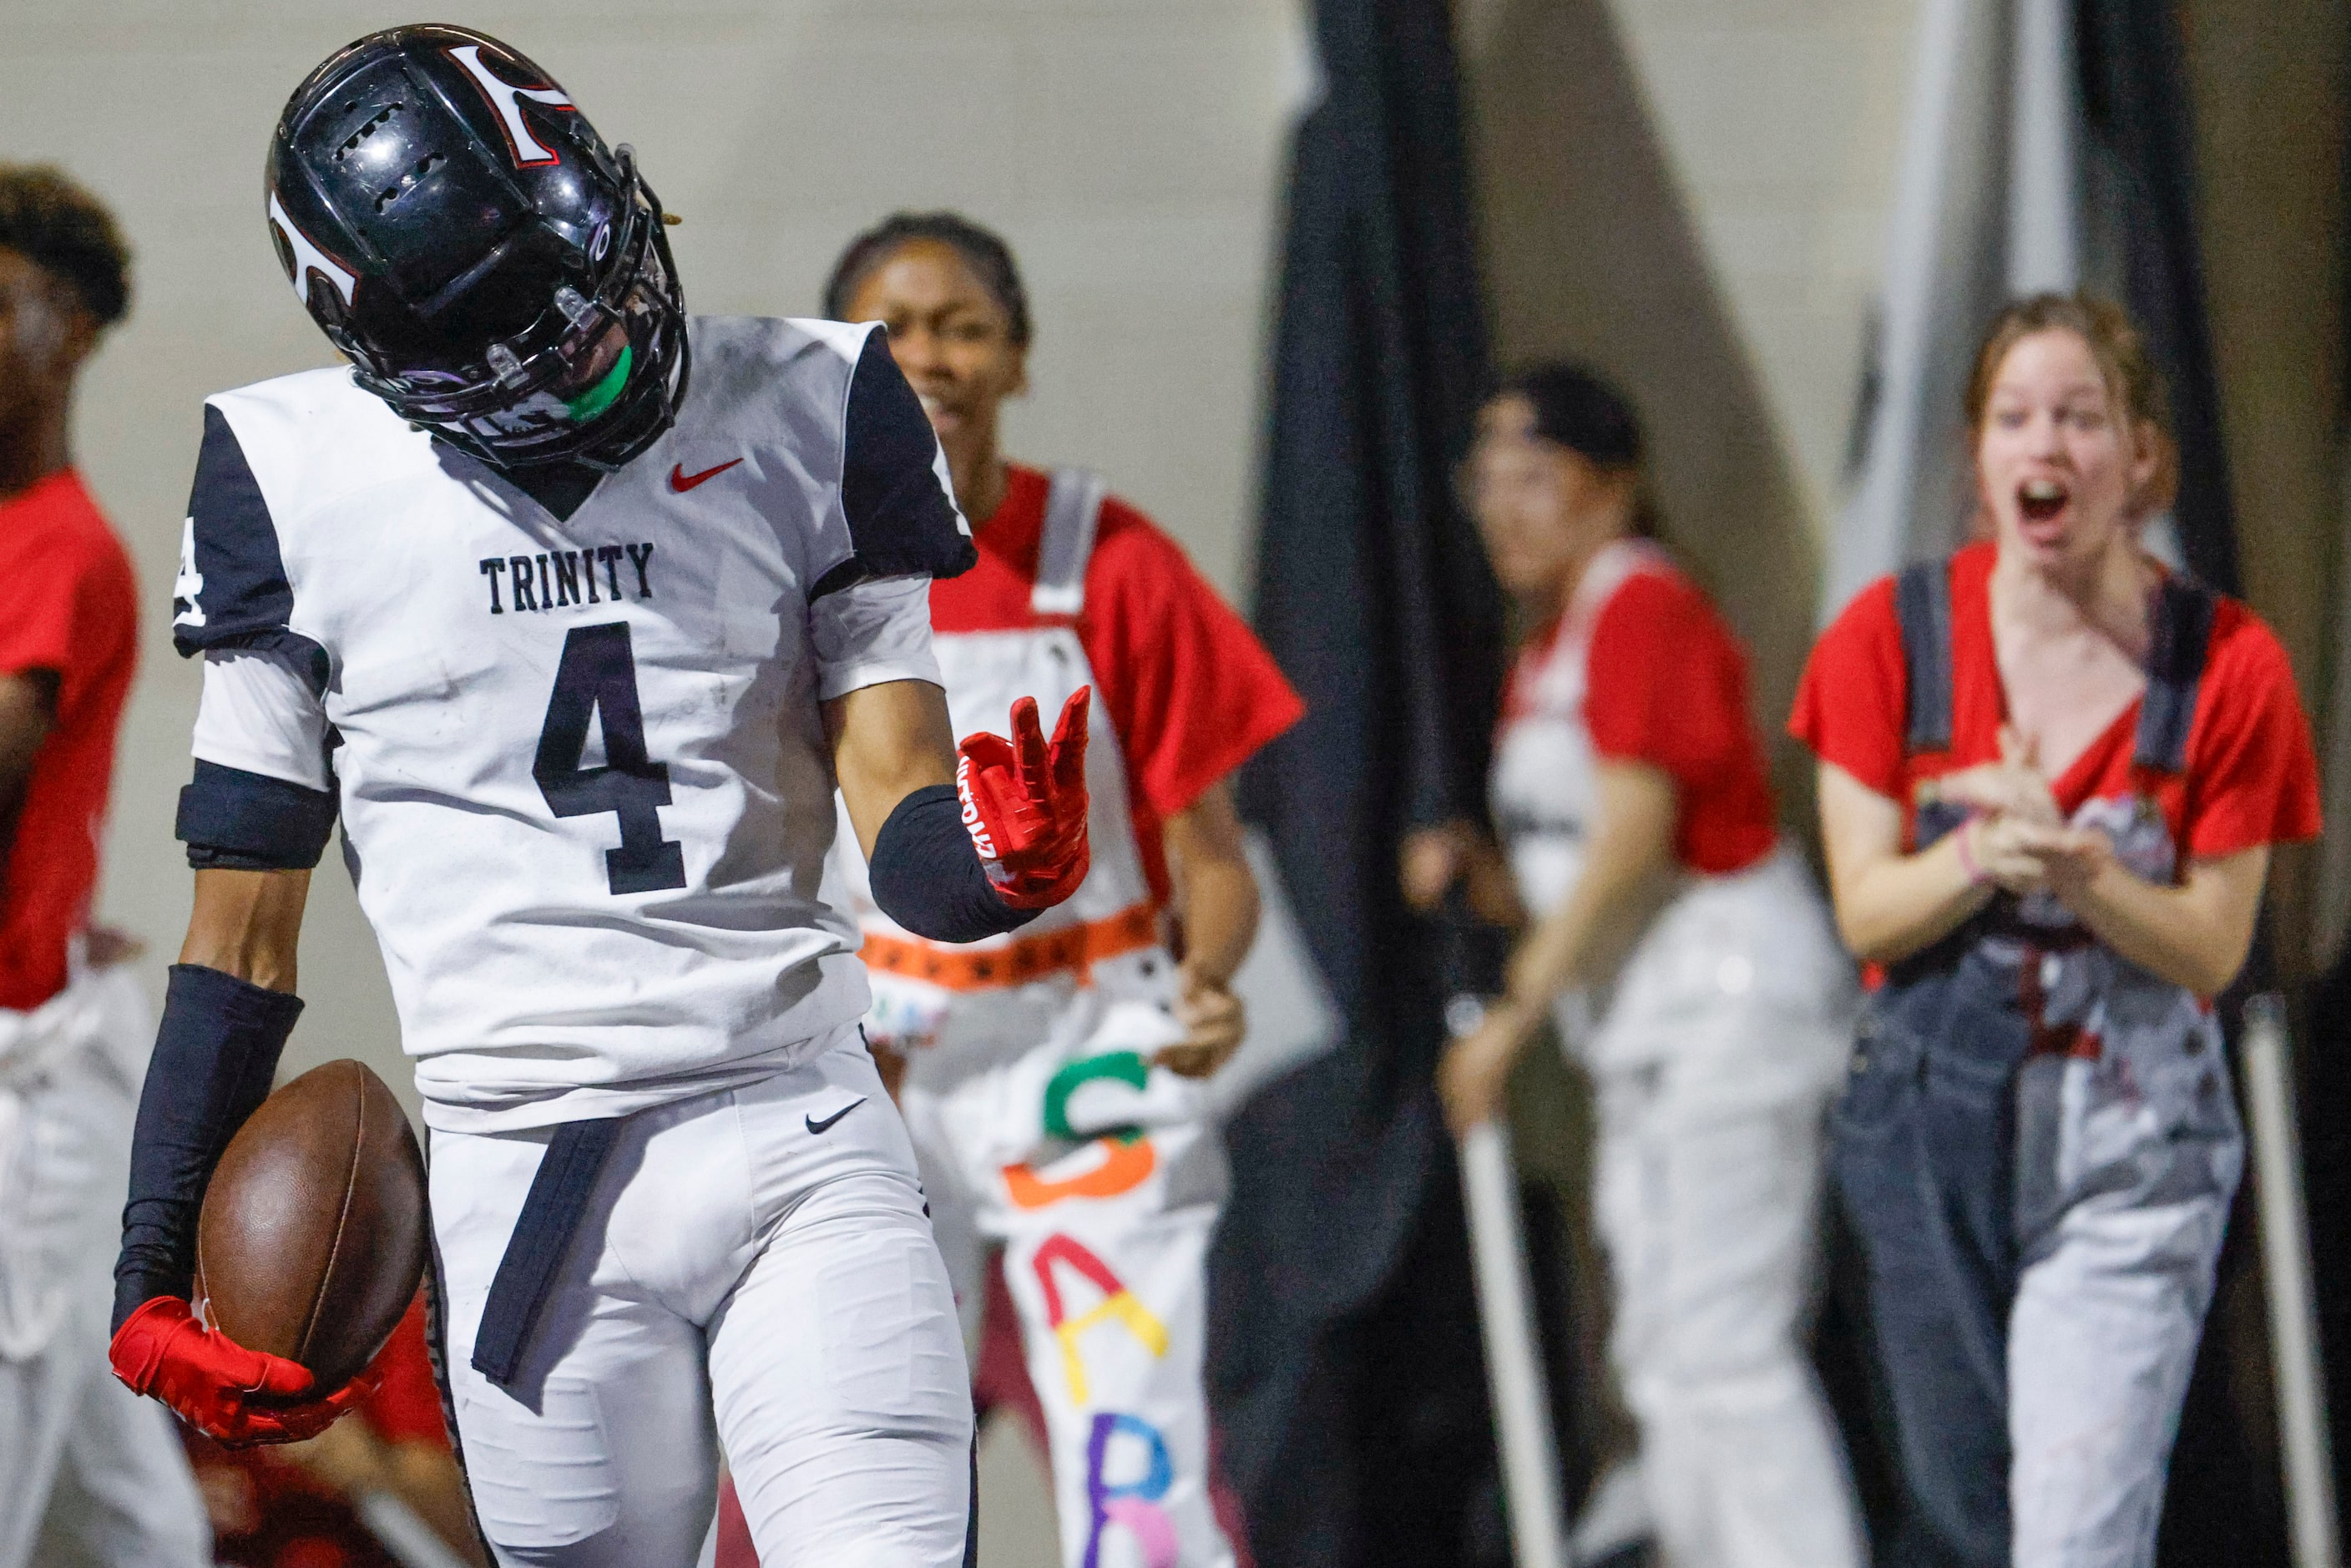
(1018,962)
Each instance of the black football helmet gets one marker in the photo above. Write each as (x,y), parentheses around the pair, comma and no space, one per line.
(492,270)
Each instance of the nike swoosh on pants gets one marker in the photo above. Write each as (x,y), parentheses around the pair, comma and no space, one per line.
(826,1125)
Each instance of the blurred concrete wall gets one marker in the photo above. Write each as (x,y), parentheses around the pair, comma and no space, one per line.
(1773,126)
(1130,150)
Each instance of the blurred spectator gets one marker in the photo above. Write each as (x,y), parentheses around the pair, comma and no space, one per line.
(89,1472)
(1053,1076)
(1686,959)
(2051,772)
(308,1505)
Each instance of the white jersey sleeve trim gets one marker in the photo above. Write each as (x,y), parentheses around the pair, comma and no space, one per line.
(872,632)
(258,715)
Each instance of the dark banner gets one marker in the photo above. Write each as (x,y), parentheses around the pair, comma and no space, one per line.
(2142,191)
(1341,1277)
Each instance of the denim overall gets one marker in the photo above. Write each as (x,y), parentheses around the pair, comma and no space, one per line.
(2037,1145)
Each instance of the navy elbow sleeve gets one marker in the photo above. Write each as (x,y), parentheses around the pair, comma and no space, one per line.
(249,821)
(215,1055)
(928,878)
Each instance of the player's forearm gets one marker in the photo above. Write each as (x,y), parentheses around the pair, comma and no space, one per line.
(893,754)
(981,856)
(248,924)
(215,1054)
(226,1015)
(11,807)
(888,741)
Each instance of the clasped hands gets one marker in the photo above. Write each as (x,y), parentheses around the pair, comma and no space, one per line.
(2015,837)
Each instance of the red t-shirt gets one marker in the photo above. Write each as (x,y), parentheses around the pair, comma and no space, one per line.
(1190,690)
(68,605)
(2251,776)
(1666,683)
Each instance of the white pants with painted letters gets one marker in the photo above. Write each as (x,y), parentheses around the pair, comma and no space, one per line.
(90,1474)
(755,1270)
(1101,1178)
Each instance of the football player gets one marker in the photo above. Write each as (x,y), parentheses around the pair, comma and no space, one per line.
(1053,1077)
(576,608)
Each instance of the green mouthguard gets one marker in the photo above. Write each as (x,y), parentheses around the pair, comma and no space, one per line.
(604,393)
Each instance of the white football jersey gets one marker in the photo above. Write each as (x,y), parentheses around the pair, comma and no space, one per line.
(583,781)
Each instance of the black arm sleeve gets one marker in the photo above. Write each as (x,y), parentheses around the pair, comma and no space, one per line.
(236,820)
(926,876)
(214,1056)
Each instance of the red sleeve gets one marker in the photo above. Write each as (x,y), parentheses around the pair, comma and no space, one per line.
(1667,681)
(1191,690)
(2253,775)
(405,1407)
(1849,705)
(50,606)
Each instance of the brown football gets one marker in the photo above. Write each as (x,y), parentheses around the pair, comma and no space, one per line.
(312,1238)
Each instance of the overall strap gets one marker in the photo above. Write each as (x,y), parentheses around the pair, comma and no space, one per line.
(2175,670)
(1072,508)
(1922,605)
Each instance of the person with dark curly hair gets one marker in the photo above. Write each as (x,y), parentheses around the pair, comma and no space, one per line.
(88,1473)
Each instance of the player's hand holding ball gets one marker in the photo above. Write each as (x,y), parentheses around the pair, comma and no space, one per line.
(234,1396)
(311,1241)
(1024,803)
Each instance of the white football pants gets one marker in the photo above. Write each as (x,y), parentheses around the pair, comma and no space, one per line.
(91,1476)
(754,1268)
(1106,1254)
(1709,1211)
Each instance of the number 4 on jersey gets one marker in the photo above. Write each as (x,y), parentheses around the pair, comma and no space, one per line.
(597,677)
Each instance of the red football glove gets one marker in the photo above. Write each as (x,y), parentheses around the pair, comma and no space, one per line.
(1024,803)
(235,1395)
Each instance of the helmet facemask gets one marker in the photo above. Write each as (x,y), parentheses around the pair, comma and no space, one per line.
(594,377)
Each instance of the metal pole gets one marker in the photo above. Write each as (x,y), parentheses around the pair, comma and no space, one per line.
(2285,1263)
(1514,1369)
(399,1530)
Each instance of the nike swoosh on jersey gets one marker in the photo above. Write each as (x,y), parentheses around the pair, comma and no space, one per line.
(681,481)
(826,1125)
